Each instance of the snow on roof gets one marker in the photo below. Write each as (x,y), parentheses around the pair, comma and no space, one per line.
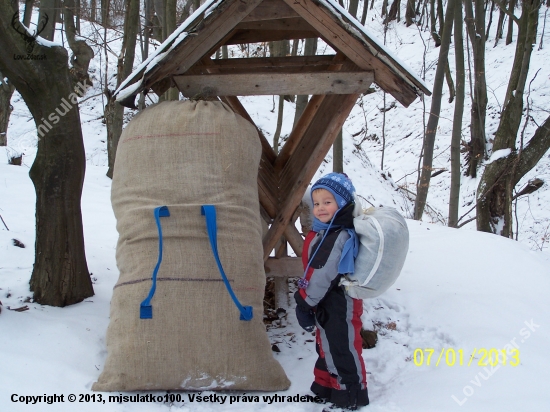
(168,45)
(355,24)
(209,6)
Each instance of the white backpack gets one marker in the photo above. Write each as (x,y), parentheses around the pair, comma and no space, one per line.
(383,246)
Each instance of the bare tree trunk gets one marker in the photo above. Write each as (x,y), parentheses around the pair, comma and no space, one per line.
(105,8)
(433,21)
(510,32)
(6,91)
(384,7)
(279,49)
(338,145)
(454,196)
(433,120)
(476,30)
(60,274)
(364,14)
(170,20)
(48,8)
(310,48)
(114,112)
(410,14)
(392,15)
(77,13)
(490,20)
(82,52)
(277,133)
(28,12)
(450,84)
(353,6)
(495,189)
(500,24)
(93,10)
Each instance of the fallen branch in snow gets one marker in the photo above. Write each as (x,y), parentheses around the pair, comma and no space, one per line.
(438,215)
(4,222)
(21,309)
(466,222)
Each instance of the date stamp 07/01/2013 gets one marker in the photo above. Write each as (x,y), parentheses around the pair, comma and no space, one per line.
(480,357)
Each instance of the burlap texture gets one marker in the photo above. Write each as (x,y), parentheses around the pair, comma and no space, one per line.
(184,155)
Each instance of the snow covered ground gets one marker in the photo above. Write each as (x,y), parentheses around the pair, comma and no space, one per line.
(460,291)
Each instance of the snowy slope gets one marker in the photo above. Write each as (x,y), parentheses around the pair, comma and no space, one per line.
(459,290)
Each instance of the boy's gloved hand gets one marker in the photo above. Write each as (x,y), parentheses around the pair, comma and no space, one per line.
(306,318)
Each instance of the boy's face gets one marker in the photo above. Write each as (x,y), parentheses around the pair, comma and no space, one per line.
(324,205)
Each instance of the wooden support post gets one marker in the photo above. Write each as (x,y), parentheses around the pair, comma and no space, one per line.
(323,131)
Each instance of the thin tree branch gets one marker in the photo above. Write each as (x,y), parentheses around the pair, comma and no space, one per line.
(502,7)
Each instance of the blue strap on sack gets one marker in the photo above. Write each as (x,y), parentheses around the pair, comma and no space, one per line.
(145,309)
(209,212)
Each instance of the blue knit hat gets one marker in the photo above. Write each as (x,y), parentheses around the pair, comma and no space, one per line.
(339,185)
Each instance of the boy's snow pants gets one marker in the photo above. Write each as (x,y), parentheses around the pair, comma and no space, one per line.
(340,375)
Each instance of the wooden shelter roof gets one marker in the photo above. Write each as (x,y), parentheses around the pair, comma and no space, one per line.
(184,58)
(334,82)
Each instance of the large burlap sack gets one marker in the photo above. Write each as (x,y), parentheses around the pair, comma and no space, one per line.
(184,155)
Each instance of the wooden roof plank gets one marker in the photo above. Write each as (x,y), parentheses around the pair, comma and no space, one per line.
(255,84)
(295,23)
(340,38)
(271,9)
(262,36)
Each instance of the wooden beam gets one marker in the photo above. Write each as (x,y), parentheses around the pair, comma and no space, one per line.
(295,239)
(264,63)
(298,132)
(287,267)
(332,31)
(271,9)
(294,23)
(262,36)
(325,126)
(339,61)
(254,84)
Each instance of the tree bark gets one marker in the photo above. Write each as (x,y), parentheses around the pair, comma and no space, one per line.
(279,49)
(114,112)
(495,189)
(93,10)
(48,8)
(392,14)
(6,91)
(338,153)
(82,52)
(353,6)
(28,12)
(510,32)
(433,21)
(310,48)
(475,25)
(454,196)
(410,14)
(433,120)
(60,274)
(500,24)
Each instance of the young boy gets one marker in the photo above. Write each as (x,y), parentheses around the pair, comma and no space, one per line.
(329,253)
